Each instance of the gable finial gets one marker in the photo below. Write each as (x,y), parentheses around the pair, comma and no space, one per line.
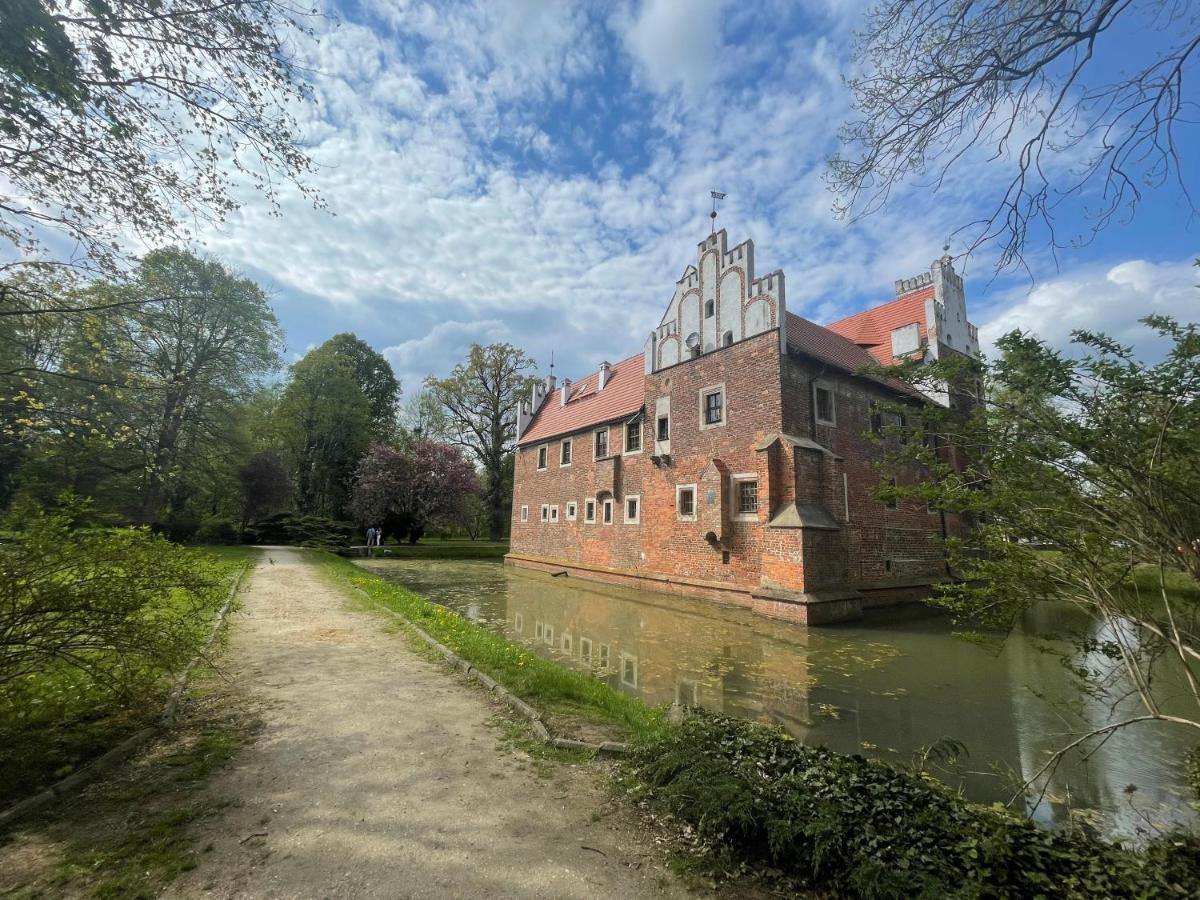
(716,195)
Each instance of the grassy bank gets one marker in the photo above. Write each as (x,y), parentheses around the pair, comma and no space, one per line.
(431,548)
(538,681)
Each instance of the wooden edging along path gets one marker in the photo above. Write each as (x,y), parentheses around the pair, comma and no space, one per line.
(532,715)
(135,741)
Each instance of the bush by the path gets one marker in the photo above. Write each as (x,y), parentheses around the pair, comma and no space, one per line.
(94,623)
(294,529)
(864,828)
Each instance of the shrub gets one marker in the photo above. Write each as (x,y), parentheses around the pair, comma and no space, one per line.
(864,828)
(216,530)
(299,530)
(92,625)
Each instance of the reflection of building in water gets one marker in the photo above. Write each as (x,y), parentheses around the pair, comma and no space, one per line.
(666,649)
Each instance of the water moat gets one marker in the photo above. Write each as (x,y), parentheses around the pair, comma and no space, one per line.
(887,687)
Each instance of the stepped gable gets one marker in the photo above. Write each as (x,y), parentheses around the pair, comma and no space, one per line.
(623,395)
(872,328)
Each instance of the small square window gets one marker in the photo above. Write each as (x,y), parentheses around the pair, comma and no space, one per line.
(714,407)
(543,451)
(564,453)
(589,511)
(747,497)
(601,443)
(608,512)
(823,401)
(685,501)
(524,513)
(633,509)
(664,428)
(572,510)
(633,436)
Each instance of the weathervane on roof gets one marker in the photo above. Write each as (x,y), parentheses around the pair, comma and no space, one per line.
(716,195)
(551,362)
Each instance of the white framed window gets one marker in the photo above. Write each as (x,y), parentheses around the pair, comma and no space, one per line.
(663,427)
(633,509)
(545,512)
(554,513)
(572,508)
(823,404)
(600,443)
(629,670)
(543,454)
(685,502)
(602,657)
(744,487)
(712,406)
(518,623)
(589,511)
(567,644)
(633,436)
(564,453)
(524,513)
(548,634)
(608,511)
(585,649)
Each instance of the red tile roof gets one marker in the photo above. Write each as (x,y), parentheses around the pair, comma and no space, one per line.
(872,328)
(827,346)
(623,395)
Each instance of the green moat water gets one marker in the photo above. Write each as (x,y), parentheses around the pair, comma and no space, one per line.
(888,686)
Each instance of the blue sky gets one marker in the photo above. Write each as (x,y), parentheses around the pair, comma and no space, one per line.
(539,172)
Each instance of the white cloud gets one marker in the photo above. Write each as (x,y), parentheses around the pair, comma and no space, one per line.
(675,45)
(1110,300)
(439,349)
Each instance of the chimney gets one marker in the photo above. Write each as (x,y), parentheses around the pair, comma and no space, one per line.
(604,372)
(564,392)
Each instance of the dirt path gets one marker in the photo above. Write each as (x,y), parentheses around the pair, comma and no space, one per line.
(377,774)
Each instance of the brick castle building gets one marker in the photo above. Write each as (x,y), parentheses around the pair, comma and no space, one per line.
(730,459)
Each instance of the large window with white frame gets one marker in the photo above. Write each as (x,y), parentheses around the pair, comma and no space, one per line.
(545,512)
(685,502)
(606,510)
(524,513)
(572,509)
(542,453)
(554,514)
(633,509)
(745,496)
(564,453)
(589,511)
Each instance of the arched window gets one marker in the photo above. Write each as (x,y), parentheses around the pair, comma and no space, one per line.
(727,340)
(709,309)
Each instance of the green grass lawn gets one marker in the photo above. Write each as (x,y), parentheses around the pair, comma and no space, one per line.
(538,681)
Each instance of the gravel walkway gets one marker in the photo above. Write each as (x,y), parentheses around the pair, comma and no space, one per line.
(377,774)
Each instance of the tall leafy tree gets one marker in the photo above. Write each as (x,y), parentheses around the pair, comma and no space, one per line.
(375,378)
(323,421)
(1083,105)
(1082,475)
(142,381)
(405,489)
(127,116)
(480,400)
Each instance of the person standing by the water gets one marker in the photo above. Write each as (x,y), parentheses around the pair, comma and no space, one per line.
(370,539)
(378,535)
